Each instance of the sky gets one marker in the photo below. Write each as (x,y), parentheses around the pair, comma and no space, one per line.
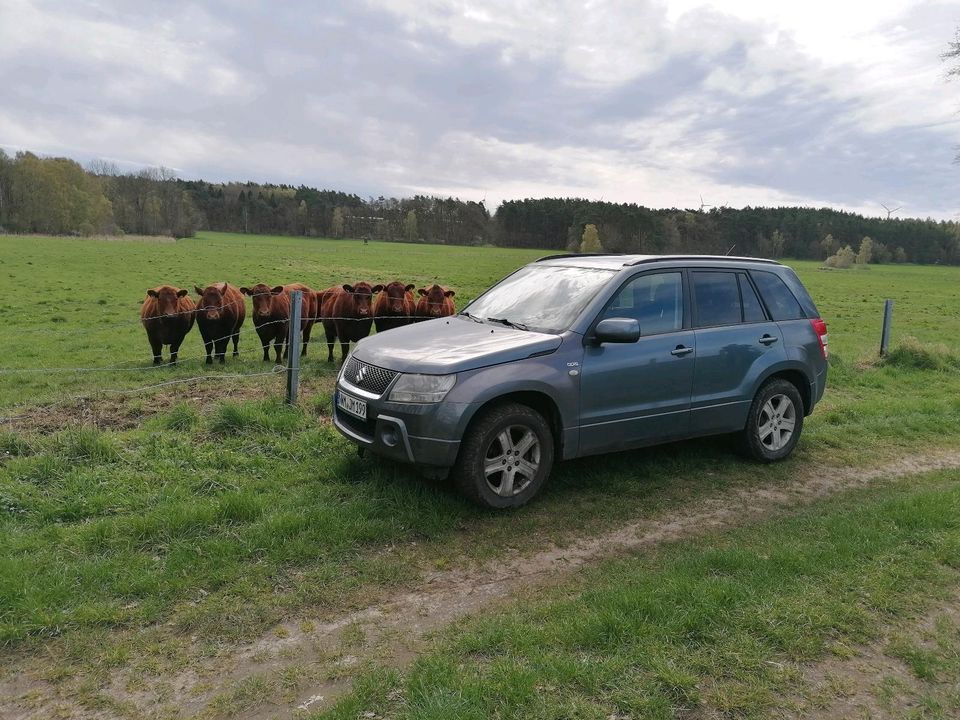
(667,104)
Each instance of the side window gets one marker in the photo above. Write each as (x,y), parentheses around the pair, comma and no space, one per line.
(752,309)
(717,298)
(655,301)
(780,301)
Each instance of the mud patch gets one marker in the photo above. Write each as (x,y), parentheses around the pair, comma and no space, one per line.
(878,680)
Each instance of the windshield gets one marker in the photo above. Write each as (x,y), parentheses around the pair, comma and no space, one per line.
(546,298)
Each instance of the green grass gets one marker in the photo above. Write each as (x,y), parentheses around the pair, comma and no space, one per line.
(218,519)
(717,625)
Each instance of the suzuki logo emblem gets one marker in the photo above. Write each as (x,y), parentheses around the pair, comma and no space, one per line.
(361,371)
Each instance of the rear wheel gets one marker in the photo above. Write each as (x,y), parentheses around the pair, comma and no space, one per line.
(505,457)
(774,423)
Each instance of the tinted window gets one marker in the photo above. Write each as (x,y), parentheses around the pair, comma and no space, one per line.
(780,301)
(654,301)
(800,292)
(717,297)
(752,309)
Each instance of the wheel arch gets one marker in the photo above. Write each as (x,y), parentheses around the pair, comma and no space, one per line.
(534,399)
(796,376)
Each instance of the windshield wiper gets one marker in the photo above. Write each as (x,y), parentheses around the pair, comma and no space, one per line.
(508,323)
(472,317)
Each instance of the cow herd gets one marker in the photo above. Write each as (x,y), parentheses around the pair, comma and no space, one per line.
(347,313)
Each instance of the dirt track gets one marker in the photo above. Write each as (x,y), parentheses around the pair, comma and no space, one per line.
(393,632)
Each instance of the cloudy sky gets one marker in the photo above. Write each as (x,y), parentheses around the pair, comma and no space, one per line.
(823,102)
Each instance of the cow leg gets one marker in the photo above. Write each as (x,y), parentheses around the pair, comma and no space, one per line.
(221,349)
(344,350)
(306,339)
(236,342)
(174,350)
(278,348)
(157,348)
(331,334)
(209,348)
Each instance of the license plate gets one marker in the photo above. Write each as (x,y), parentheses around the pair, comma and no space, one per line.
(352,405)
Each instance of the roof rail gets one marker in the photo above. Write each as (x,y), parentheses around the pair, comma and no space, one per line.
(572,255)
(710,258)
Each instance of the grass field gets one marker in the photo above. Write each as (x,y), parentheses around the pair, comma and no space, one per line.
(201,521)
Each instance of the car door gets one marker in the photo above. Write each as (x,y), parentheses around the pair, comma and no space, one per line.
(634,394)
(735,341)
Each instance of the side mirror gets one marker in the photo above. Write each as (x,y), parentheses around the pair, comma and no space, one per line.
(617,330)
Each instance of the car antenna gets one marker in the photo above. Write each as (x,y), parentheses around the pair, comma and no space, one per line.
(730,250)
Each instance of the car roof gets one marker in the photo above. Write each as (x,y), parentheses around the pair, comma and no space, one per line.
(618,262)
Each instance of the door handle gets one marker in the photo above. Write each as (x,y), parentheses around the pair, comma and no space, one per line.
(768,340)
(680,351)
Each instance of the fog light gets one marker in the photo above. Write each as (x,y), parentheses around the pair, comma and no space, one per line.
(389,438)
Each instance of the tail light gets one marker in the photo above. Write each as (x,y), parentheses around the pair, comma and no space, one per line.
(820,328)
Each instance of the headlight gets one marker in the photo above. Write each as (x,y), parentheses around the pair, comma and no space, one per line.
(422,388)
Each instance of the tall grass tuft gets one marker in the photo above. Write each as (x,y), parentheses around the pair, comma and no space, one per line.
(85,443)
(912,354)
(181,416)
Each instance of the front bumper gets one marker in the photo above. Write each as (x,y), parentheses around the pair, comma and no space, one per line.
(400,431)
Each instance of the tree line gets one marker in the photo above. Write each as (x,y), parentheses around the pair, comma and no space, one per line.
(58,196)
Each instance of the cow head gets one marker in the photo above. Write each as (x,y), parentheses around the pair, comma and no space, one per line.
(168,299)
(362,295)
(396,293)
(211,300)
(262,297)
(435,297)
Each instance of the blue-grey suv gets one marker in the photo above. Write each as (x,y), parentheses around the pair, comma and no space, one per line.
(575,355)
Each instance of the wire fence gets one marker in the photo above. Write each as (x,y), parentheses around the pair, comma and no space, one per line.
(19,378)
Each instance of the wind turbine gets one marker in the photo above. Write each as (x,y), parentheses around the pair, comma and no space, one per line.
(890,211)
(703,204)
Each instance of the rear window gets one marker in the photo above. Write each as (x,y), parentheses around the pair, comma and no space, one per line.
(752,309)
(717,298)
(780,301)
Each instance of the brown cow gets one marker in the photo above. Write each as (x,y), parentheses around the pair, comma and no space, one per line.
(346,314)
(309,311)
(271,316)
(220,315)
(435,302)
(394,306)
(167,316)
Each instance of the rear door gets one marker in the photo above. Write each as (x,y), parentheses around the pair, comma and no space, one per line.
(633,394)
(736,342)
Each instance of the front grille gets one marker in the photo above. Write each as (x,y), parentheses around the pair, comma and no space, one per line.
(368,377)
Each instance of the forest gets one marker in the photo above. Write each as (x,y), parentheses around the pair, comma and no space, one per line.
(58,196)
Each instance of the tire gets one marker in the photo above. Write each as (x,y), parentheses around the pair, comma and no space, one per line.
(520,439)
(774,423)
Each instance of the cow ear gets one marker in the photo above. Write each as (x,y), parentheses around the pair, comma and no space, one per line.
(348,288)
(449,293)
(244,291)
(376,288)
(223,287)
(197,288)
(422,291)
(409,287)
(152,293)
(277,290)
(182,293)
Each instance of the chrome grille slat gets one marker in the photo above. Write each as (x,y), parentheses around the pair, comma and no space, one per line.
(368,377)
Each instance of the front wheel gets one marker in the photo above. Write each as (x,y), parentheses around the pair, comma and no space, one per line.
(505,457)
(774,423)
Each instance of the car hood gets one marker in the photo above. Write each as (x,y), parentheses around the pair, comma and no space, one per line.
(450,345)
